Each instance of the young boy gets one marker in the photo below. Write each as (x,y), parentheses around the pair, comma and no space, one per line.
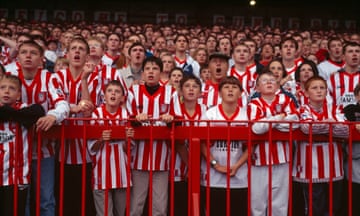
(110,159)
(230,113)
(36,89)
(15,146)
(81,88)
(273,107)
(146,102)
(186,108)
(352,113)
(319,161)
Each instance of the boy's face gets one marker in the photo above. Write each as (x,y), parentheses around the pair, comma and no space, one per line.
(95,48)
(137,55)
(77,54)
(205,74)
(317,91)
(168,63)
(335,48)
(288,50)
(151,73)
(230,93)
(113,96)
(113,42)
(241,54)
(30,58)
(9,92)
(352,56)
(60,65)
(218,68)
(175,78)
(267,85)
(190,90)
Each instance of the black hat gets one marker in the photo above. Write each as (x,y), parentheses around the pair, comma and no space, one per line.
(219,55)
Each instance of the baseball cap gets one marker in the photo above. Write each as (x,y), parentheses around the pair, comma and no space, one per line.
(219,55)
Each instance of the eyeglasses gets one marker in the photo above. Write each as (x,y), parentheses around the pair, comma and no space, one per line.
(264,81)
(94,45)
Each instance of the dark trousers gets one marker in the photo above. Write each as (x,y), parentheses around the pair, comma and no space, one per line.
(72,194)
(7,201)
(238,201)
(320,198)
(180,198)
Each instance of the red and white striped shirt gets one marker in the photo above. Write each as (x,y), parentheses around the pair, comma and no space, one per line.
(15,154)
(246,79)
(5,55)
(319,161)
(65,84)
(140,101)
(38,91)
(341,86)
(328,67)
(110,162)
(109,60)
(259,109)
(105,75)
(178,110)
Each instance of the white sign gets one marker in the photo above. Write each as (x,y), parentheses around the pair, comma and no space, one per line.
(181,19)
(40,15)
(77,16)
(162,18)
(60,15)
(102,16)
(120,17)
(21,14)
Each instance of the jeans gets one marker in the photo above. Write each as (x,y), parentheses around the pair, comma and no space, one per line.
(320,198)
(47,182)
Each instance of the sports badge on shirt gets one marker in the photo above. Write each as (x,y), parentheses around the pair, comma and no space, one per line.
(278,108)
(41,97)
(251,83)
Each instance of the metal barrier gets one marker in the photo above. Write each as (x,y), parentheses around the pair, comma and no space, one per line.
(195,136)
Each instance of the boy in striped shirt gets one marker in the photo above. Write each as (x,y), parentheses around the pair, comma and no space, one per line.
(270,107)
(109,159)
(149,103)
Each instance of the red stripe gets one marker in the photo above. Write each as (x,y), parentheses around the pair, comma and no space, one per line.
(332,163)
(158,155)
(107,166)
(146,155)
(206,93)
(342,84)
(118,171)
(340,155)
(262,153)
(298,162)
(320,156)
(99,171)
(168,154)
(308,158)
(11,158)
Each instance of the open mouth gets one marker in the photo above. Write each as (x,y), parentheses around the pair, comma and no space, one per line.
(218,70)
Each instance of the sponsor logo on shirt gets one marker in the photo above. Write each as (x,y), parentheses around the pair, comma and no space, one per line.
(6,136)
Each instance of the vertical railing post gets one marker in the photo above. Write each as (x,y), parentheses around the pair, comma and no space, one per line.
(195,175)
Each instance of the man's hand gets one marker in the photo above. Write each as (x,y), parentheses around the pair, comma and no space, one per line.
(87,70)
(45,123)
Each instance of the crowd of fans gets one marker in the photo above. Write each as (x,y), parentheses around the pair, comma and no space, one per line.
(156,74)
